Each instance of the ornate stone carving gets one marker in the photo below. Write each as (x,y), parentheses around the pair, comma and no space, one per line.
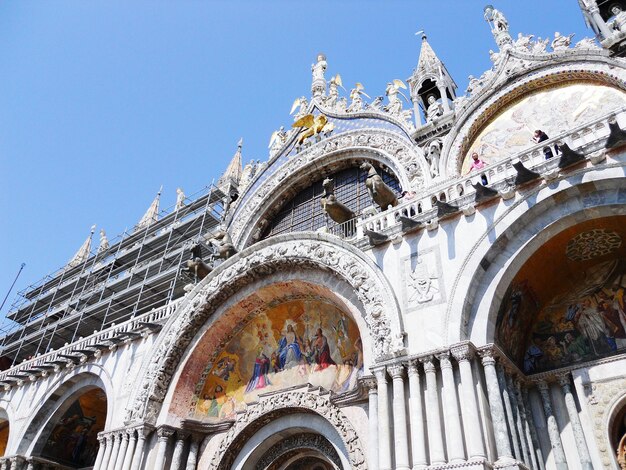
(376,296)
(411,162)
(257,414)
(300,441)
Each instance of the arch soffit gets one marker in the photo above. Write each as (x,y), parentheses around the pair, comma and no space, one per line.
(321,251)
(69,387)
(489,265)
(572,66)
(258,414)
(405,160)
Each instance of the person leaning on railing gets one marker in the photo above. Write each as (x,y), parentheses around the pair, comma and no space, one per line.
(541,136)
(478,165)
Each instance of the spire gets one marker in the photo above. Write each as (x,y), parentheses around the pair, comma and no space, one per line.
(431,85)
(83,252)
(234,170)
(152,214)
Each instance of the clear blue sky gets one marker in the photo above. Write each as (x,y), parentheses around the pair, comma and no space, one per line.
(101,102)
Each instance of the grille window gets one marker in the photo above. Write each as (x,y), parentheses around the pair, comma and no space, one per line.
(304,212)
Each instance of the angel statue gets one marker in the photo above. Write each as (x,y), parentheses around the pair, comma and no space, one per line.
(277,140)
(333,91)
(393,89)
(561,42)
(355,95)
(301,102)
(312,126)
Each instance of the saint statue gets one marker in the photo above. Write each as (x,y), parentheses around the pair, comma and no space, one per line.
(180,199)
(104,241)
(435,109)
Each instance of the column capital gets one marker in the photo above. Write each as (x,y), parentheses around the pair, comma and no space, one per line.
(369,382)
(124,434)
(542,385)
(487,356)
(181,434)
(144,430)
(564,379)
(197,438)
(462,352)
(165,432)
(413,367)
(381,375)
(396,370)
(427,363)
(444,359)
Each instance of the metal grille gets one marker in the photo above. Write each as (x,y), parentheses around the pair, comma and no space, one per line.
(304,212)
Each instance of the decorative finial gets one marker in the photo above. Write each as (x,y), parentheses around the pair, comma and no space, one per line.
(240,143)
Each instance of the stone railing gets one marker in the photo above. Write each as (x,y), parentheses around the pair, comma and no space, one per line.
(20,462)
(496,180)
(83,349)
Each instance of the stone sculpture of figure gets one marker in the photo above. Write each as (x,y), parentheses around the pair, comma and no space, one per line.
(180,199)
(393,89)
(619,23)
(104,241)
(561,42)
(540,45)
(380,193)
(301,104)
(318,87)
(333,91)
(434,153)
(586,43)
(474,84)
(435,109)
(356,103)
(499,21)
(277,140)
(523,43)
(337,211)
(375,105)
(196,265)
(223,243)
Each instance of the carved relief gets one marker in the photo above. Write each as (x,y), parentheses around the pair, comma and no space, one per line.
(375,295)
(409,157)
(269,407)
(423,279)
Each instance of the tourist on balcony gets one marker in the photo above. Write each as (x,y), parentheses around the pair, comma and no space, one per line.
(477,165)
(541,136)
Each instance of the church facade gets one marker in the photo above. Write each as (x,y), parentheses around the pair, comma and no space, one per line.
(425,279)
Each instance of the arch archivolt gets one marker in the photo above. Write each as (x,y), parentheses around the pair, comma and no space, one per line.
(285,253)
(404,159)
(269,408)
(492,264)
(56,399)
(588,66)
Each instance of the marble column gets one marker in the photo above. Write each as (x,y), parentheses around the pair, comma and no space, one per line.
(142,433)
(115,452)
(599,21)
(122,453)
(401,441)
(508,408)
(17,462)
(454,432)
(444,98)
(418,436)
(192,456)
(553,427)
(475,447)
(498,418)
(31,465)
(164,434)
(130,451)
(530,424)
(384,449)
(433,419)
(372,392)
(572,411)
(108,449)
(101,450)
(519,422)
(177,458)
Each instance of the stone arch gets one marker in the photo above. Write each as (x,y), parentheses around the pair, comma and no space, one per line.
(614,427)
(491,265)
(504,90)
(234,315)
(5,431)
(380,308)
(56,400)
(404,159)
(270,408)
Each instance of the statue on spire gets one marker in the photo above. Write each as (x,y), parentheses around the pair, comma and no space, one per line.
(318,87)
(499,26)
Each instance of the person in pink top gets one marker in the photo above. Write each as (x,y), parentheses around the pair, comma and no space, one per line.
(477,165)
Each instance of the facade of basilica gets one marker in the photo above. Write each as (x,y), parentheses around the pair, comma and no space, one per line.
(426,279)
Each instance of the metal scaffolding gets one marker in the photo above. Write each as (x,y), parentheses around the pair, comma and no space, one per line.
(140,270)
